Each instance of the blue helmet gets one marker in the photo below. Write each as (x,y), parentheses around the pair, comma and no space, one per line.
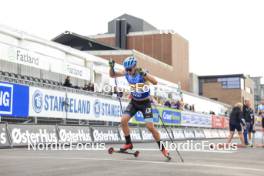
(130,62)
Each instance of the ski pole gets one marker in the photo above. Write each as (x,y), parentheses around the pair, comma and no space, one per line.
(163,125)
(119,99)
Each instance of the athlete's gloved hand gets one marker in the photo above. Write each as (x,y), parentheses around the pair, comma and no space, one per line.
(142,72)
(111,63)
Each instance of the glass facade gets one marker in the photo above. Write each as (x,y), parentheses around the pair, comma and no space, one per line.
(230,83)
(235,82)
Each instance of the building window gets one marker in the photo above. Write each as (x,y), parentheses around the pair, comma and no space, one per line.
(230,83)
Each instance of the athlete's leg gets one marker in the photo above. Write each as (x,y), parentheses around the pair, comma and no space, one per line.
(124,124)
(148,116)
(156,135)
(129,112)
(153,130)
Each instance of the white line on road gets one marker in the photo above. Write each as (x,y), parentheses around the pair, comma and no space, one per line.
(205,151)
(139,161)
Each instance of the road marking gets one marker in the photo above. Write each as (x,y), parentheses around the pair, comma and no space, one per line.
(139,161)
(205,151)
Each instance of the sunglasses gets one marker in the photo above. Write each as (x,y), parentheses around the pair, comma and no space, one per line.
(128,69)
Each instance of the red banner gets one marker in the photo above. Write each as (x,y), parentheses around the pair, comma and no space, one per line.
(226,122)
(217,122)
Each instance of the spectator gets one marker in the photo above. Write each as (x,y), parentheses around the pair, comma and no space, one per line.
(192,108)
(187,107)
(173,105)
(181,105)
(76,87)
(248,116)
(178,105)
(261,113)
(212,113)
(67,82)
(85,87)
(167,103)
(91,87)
(235,122)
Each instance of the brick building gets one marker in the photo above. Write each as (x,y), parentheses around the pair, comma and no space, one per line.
(165,55)
(229,89)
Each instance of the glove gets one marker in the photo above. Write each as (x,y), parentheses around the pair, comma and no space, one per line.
(142,72)
(111,63)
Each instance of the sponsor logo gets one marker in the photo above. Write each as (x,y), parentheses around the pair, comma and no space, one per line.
(43,102)
(148,110)
(106,109)
(134,133)
(6,98)
(97,105)
(146,135)
(178,134)
(74,71)
(74,136)
(171,117)
(164,134)
(108,135)
(26,57)
(28,136)
(37,101)
(3,138)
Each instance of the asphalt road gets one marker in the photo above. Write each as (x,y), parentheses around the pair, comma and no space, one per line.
(21,161)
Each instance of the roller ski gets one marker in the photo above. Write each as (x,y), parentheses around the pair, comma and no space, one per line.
(123,150)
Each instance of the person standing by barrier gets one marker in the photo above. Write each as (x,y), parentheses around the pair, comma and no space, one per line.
(247,116)
(137,79)
(261,114)
(235,122)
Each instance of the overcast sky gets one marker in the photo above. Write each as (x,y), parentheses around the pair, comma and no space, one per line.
(225,36)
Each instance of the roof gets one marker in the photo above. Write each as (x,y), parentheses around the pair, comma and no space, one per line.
(221,76)
(135,24)
(81,42)
(21,35)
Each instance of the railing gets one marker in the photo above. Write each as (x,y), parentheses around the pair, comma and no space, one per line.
(56,87)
